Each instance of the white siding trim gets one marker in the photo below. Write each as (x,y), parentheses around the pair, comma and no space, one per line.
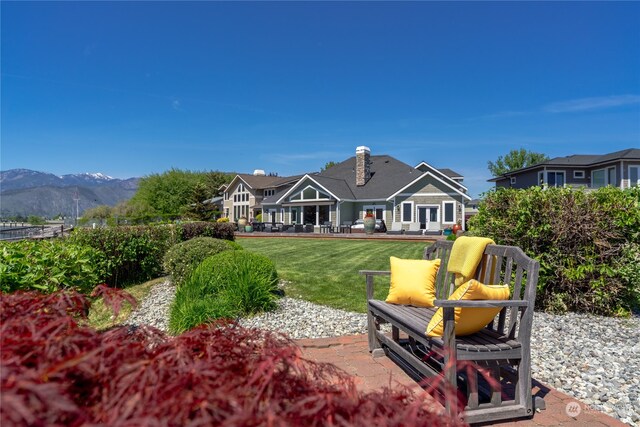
(402,212)
(285,195)
(425,174)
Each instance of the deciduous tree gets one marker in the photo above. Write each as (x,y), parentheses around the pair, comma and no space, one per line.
(516,159)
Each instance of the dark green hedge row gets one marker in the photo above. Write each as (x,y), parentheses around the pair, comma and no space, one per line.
(587,242)
(116,256)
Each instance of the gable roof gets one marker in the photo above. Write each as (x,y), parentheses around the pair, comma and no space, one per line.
(388,177)
(447,174)
(578,160)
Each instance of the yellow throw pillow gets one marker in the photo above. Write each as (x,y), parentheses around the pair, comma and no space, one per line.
(469,320)
(413,281)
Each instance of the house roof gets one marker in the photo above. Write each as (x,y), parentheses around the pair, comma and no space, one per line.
(450,173)
(258,182)
(387,175)
(578,160)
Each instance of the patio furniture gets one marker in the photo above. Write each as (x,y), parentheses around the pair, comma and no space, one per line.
(396,228)
(345,227)
(273,227)
(433,229)
(299,228)
(326,227)
(501,350)
(414,229)
(308,228)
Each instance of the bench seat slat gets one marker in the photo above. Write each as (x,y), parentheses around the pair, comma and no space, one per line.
(416,320)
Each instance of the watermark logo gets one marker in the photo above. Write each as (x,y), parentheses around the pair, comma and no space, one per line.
(573,409)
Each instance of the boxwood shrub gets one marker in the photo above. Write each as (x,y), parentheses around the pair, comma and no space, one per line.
(587,242)
(230,284)
(182,258)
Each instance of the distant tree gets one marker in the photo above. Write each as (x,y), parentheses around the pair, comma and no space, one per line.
(35,220)
(327,166)
(167,195)
(197,208)
(214,179)
(516,159)
(98,212)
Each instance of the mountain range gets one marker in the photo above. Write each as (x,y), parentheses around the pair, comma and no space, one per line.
(26,192)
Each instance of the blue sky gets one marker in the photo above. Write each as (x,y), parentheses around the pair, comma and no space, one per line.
(134,88)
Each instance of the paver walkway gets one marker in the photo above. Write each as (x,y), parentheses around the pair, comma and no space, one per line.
(351,354)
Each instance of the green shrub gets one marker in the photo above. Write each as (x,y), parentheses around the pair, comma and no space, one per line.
(579,238)
(182,258)
(229,284)
(133,253)
(50,265)
(216,230)
(223,219)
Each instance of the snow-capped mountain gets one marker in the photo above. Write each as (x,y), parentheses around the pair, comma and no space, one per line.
(27,192)
(15,179)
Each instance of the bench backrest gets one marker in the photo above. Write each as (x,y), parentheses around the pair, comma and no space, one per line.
(499,265)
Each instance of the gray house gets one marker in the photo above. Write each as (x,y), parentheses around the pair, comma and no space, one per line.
(390,189)
(620,169)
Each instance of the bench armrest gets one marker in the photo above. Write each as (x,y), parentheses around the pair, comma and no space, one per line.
(369,279)
(480,303)
(374,273)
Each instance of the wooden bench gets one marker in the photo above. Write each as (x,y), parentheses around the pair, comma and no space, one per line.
(501,350)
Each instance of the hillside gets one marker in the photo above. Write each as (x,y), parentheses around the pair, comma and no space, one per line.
(25,192)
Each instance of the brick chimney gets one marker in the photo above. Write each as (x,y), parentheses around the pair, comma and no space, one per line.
(363,165)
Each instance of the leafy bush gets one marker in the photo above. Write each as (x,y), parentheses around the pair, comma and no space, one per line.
(56,372)
(184,257)
(216,230)
(50,265)
(226,285)
(133,253)
(223,219)
(579,238)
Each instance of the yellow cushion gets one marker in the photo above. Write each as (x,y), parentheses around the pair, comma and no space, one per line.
(413,281)
(469,320)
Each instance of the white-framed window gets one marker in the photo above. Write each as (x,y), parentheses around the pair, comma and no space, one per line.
(449,212)
(269,192)
(578,174)
(513,180)
(634,176)
(309,193)
(406,212)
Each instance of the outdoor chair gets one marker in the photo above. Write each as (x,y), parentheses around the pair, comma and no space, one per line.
(433,229)
(396,228)
(414,229)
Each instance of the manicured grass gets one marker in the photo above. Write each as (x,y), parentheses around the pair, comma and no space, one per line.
(326,271)
(101,317)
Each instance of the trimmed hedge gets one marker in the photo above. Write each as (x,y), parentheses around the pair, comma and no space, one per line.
(217,230)
(181,259)
(133,253)
(50,265)
(587,242)
(226,285)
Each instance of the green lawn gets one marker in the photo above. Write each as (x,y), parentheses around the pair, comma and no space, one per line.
(326,271)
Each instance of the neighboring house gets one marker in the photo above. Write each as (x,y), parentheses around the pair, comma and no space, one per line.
(471,208)
(620,169)
(243,196)
(217,204)
(390,189)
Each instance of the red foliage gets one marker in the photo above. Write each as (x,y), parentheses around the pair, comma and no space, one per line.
(55,371)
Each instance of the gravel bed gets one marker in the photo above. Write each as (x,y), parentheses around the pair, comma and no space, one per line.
(594,359)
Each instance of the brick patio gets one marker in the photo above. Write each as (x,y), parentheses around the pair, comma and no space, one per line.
(351,354)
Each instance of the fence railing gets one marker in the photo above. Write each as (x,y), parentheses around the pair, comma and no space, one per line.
(15,231)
